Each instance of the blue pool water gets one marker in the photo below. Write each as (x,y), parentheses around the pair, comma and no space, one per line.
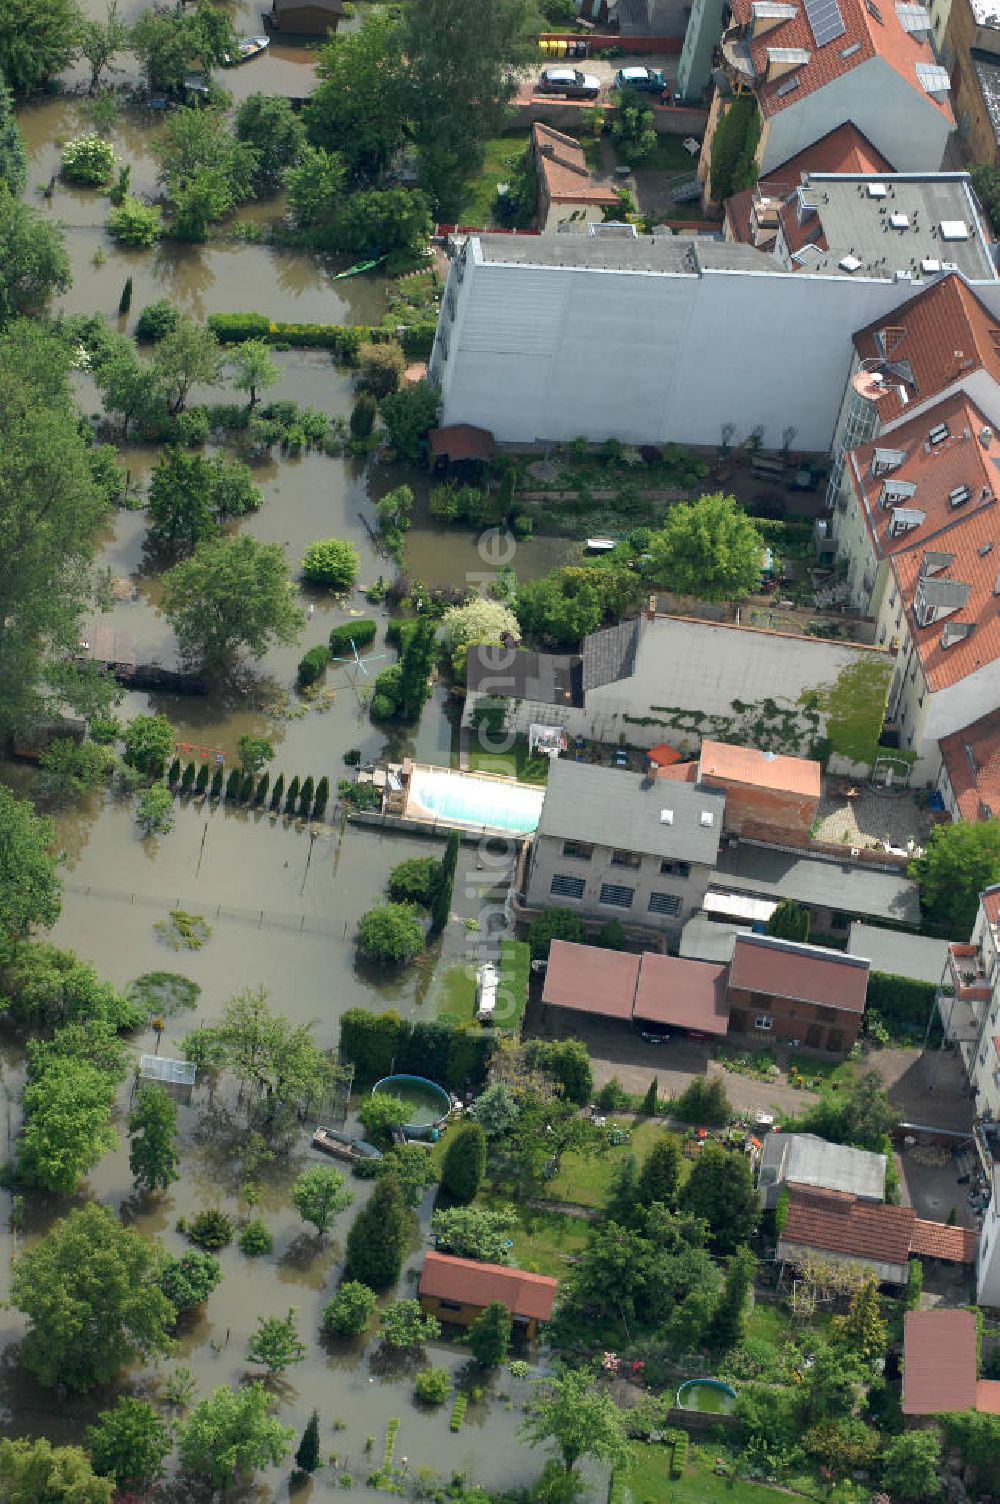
(465,799)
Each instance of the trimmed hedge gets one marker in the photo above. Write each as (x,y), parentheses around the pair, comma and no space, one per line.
(378,1043)
(312,666)
(360,632)
(343,340)
(902,1004)
(678,1460)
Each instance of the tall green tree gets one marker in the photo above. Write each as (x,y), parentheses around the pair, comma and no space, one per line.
(189,354)
(129,1444)
(45,988)
(232,594)
(863,1329)
(377,1241)
(131,388)
(275,133)
(789,921)
(205,170)
(152,1126)
(729,1319)
(910,1467)
(89,1290)
(444,885)
(276,1344)
(189,1279)
(660,1177)
(359,108)
(36,1472)
(101,42)
(721,1191)
(415,664)
(13,152)
(51,513)
(30,891)
(580,1418)
(462,61)
(958,863)
(170,42)
(68,1126)
(464,1162)
(179,501)
(255,368)
(307,1456)
(709,548)
(233,1433)
(320,1194)
(37,41)
(489,1335)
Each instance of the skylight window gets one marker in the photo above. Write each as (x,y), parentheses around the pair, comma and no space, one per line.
(934,79)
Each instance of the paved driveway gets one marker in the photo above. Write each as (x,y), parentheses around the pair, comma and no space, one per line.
(602,68)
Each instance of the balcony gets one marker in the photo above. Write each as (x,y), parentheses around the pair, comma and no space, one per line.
(968,974)
(736,59)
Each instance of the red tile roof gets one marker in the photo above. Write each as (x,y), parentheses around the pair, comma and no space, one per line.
(842,150)
(686,994)
(591,980)
(939,1362)
(935,1240)
(782,968)
(972,760)
(941,334)
(563,166)
(530,1296)
(990,901)
(988,1396)
(760,770)
(462,441)
(889,41)
(679,772)
(837,1222)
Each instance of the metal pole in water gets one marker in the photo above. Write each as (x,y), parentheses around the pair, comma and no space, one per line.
(201,849)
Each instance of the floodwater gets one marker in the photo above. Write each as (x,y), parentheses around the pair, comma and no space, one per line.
(282,899)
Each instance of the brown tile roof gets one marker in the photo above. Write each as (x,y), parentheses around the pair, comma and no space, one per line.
(941,334)
(761,770)
(563,166)
(591,980)
(837,1222)
(972,760)
(462,441)
(939,1362)
(988,1396)
(935,1240)
(889,41)
(782,968)
(444,1277)
(990,901)
(686,994)
(679,772)
(842,150)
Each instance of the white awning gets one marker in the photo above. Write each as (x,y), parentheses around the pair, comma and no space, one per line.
(740,906)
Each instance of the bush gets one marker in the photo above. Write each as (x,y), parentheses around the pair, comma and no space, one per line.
(331,562)
(212,1229)
(363,415)
(413,881)
(464,1162)
(554,924)
(312,666)
(256,1239)
(613,1097)
(381,368)
(703,1101)
(156,321)
(233,328)
(678,1460)
(391,935)
(350,1311)
(901,1003)
(433,1385)
(88,159)
(458,1410)
(360,632)
(135,223)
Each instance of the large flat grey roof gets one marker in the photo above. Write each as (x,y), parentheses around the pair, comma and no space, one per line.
(855,224)
(772,873)
(804,1159)
(609,807)
(661,254)
(897,954)
(548,678)
(987,69)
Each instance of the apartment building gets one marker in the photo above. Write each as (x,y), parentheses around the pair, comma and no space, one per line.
(971,47)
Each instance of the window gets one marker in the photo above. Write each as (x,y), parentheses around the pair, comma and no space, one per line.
(564,886)
(449,1305)
(675,869)
(622,858)
(763,1021)
(582,851)
(664,903)
(617,897)
(839,921)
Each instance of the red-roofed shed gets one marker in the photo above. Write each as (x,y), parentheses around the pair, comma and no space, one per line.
(459,1290)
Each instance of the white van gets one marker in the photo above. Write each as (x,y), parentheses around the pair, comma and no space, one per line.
(487,980)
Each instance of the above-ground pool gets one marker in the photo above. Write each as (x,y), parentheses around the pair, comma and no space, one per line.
(710,1396)
(474,799)
(428,1103)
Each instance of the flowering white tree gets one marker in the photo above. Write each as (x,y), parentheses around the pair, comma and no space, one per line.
(480,620)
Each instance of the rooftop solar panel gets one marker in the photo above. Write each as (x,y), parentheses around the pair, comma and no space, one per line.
(825,20)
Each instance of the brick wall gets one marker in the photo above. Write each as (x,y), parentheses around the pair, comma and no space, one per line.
(779,814)
(832,1029)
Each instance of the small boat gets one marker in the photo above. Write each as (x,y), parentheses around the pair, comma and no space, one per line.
(355,271)
(600,545)
(246,48)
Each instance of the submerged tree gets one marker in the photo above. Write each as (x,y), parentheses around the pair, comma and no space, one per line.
(152,1127)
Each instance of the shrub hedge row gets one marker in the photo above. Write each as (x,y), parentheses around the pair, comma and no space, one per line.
(343,340)
(379,1044)
(902,1004)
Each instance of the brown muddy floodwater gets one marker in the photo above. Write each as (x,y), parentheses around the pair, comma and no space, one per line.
(283,899)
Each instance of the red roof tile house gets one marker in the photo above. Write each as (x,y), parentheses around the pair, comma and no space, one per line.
(815,67)
(752,216)
(768,796)
(969,780)
(918,527)
(459,1290)
(939,1362)
(566,190)
(779,989)
(647,989)
(882,1238)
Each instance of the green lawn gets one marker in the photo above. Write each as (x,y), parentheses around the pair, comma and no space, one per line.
(455,996)
(502,156)
(515,972)
(544,1242)
(513,764)
(586,1180)
(650,1481)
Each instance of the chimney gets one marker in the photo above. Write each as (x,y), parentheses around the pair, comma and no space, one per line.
(651,608)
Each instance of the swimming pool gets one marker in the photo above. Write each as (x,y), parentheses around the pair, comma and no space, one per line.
(473,799)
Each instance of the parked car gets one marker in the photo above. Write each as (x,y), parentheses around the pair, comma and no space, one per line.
(645,80)
(654,1036)
(569,82)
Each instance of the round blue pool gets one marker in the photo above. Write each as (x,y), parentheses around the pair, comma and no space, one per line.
(710,1396)
(428,1102)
